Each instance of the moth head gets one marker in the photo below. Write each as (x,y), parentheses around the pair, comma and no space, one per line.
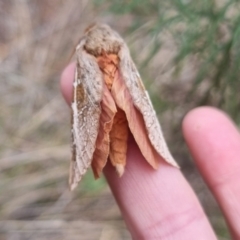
(101,38)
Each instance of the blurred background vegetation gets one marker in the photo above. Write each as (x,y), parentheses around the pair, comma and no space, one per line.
(188,53)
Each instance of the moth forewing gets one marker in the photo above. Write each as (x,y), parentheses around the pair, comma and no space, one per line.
(86,110)
(105,68)
(143,103)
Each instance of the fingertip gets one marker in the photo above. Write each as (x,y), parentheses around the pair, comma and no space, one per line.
(213,139)
(201,119)
(67,78)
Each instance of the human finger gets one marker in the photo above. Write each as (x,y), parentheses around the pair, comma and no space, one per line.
(155,204)
(214,142)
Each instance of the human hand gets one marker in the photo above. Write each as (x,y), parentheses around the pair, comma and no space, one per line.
(161,204)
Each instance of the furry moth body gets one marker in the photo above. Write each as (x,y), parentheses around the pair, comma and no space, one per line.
(109,99)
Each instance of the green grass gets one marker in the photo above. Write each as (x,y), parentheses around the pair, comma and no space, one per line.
(207,30)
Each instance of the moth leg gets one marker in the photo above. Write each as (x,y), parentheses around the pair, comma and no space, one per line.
(118,141)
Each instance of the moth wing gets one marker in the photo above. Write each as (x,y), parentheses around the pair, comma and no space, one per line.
(86,112)
(143,103)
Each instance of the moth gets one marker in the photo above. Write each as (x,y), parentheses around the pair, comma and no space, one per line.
(109,102)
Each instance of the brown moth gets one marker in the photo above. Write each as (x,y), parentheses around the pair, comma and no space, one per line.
(109,99)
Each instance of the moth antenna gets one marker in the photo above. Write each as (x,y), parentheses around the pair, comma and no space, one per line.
(90,26)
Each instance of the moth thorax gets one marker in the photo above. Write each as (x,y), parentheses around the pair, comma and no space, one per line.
(98,49)
(100,38)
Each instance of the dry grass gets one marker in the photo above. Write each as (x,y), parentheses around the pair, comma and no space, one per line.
(36,43)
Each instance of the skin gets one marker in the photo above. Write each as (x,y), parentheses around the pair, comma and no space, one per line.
(161,204)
